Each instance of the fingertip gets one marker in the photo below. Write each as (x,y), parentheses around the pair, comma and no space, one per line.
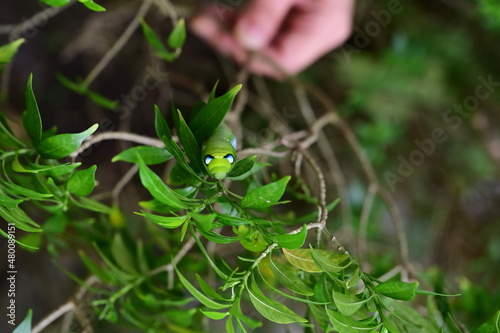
(259,23)
(204,26)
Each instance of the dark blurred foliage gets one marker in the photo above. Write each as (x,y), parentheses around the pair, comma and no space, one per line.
(398,79)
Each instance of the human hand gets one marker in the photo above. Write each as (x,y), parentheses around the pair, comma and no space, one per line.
(290,33)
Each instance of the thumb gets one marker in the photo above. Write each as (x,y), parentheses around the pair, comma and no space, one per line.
(260,22)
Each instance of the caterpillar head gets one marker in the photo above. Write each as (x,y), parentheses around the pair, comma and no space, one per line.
(219,165)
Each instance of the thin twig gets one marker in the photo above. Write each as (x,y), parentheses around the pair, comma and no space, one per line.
(69,306)
(125,136)
(121,184)
(370,173)
(169,268)
(327,152)
(120,43)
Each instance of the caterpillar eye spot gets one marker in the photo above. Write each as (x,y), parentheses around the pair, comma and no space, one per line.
(230,158)
(208,159)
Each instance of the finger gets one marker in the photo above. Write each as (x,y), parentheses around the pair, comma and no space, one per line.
(210,29)
(260,22)
(312,32)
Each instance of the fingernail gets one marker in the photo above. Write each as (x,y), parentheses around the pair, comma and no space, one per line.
(250,36)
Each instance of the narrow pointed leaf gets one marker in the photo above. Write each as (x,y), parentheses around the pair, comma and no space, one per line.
(150,155)
(191,147)
(289,279)
(346,324)
(101,273)
(62,145)
(170,222)
(243,166)
(404,291)
(291,241)
(25,192)
(158,189)
(209,291)
(202,298)
(215,315)
(82,182)
(25,325)
(265,196)
(122,254)
(330,261)
(302,259)
(271,309)
(31,118)
(178,35)
(211,115)
(348,305)
(56,3)
(8,51)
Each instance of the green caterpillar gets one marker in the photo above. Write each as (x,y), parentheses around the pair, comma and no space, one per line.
(219,152)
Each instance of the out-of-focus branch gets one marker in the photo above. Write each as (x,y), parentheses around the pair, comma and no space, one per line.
(118,45)
(125,136)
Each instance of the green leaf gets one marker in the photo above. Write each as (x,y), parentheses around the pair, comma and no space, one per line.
(492,326)
(204,123)
(230,325)
(92,205)
(209,291)
(122,254)
(345,324)
(60,170)
(150,155)
(18,217)
(215,315)
(31,117)
(90,4)
(347,304)
(25,325)
(56,3)
(265,196)
(82,182)
(271,309)
(161,125)
(398,290)
(9,202)
(169,222)
(302,259)
(24,192)
(243,166)
(291,241)
(232,221)
(8,51)
(256,168)
(62,145)
(164,134)
(158,189)
(82,89)
(289,279)
(217,238)
(156,43)
(178,176)
(202,298)
(330,261)
(191,148)
(178,35)
(388,323)
(101,273)
(411,317)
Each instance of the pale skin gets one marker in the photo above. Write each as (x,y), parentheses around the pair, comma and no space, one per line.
(291,33)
